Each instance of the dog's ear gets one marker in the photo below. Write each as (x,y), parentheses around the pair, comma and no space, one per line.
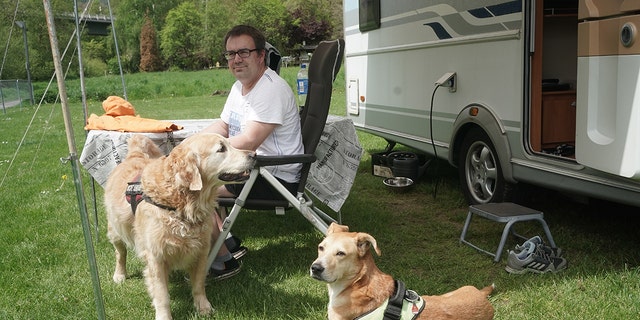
(364,242)
(334,227)
(185,166)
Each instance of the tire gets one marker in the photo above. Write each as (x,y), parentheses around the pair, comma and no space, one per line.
(479,170)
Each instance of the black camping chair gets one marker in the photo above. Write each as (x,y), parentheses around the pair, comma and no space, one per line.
(323,68)
(274,60)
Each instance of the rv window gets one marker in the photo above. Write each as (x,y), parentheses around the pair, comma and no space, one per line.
(369,15)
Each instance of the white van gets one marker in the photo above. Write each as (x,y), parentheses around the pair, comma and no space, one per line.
(543,92)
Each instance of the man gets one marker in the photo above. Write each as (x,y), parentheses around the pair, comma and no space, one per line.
(260,114)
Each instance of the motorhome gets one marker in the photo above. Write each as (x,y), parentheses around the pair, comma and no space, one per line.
(545,92)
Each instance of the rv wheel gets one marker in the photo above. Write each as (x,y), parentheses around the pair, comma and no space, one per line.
(479,169)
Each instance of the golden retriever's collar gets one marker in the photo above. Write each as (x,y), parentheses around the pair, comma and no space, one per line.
(159,205)
(134,196)
(403,304)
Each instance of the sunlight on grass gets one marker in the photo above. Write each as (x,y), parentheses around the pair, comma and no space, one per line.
(45,273)
(575,297)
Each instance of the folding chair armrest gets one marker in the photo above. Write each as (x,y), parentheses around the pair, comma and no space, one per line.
(265,161)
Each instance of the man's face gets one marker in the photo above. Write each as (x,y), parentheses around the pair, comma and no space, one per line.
(246,69)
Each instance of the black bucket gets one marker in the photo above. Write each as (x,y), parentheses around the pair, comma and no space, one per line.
(404,164)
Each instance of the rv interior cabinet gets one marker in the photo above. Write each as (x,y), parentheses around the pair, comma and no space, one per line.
(553,109)
(558,118)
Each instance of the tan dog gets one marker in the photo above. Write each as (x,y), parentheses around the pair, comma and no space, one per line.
(357,287)
(171,227)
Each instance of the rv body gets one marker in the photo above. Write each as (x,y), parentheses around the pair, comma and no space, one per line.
(543,92)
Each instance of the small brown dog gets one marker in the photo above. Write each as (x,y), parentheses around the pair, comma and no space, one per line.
(171,227)
(357,287)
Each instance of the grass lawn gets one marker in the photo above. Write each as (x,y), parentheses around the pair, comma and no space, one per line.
(45,274)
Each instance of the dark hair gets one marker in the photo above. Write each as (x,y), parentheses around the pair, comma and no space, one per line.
(258,37)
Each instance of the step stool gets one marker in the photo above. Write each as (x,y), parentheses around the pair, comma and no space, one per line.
(508,213)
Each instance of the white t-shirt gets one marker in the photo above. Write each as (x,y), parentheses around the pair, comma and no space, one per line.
(270,101)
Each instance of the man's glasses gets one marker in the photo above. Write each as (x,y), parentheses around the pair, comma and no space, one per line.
(243,53)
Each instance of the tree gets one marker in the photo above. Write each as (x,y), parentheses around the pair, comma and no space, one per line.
(129,19)
(314,21)
(270,16)
(286,23)
(149,55)
(180,37)
(215,22)
(32,13)
(307,28)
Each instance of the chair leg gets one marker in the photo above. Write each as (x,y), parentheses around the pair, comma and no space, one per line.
(327,217)
(223,212)
(228,221)
(301,203)
(309,212)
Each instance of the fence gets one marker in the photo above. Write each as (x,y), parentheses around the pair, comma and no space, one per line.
(15,92)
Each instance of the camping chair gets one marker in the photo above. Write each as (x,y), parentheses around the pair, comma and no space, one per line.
(274,60)
(323,68)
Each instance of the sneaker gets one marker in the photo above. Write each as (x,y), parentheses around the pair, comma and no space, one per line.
(534,259)
(231,268)
(234,245)
(537,241)
(239,252)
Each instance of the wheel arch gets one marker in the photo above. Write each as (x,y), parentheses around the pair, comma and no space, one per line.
(486,120)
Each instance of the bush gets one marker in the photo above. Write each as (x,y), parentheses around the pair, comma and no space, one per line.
(95,68)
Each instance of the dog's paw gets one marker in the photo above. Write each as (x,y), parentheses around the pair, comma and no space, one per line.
(203,306)
(119,277)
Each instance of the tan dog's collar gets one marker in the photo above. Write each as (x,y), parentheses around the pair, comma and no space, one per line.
(403,304)
(134,196)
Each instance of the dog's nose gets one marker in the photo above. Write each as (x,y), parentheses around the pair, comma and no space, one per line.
(317,268)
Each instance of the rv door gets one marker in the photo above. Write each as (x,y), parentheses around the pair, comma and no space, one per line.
(608,86)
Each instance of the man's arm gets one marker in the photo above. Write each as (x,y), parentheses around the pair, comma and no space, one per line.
(218,126)
(253,135)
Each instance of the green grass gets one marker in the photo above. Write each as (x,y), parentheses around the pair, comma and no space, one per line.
(45,273)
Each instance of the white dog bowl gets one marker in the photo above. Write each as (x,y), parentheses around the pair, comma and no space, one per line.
(398,184)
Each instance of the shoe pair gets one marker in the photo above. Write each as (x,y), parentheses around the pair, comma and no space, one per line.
(231,268)
(537,241)
(233,265)
(535,256)
(234,244)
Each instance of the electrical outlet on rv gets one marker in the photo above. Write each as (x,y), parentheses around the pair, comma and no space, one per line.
(448,80)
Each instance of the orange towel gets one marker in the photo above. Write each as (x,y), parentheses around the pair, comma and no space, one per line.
(120,116)
(116,106)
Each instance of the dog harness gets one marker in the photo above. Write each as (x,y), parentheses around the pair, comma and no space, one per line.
(134,196)
(403,304)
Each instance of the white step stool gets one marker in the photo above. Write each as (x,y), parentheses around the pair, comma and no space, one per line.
(508,213)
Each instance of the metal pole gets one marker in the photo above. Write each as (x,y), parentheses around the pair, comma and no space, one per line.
(22,25)
(4,109)
(18,91)
(83,92)
(77,178)
(80,65)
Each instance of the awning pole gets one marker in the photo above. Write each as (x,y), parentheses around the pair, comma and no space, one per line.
(77,178)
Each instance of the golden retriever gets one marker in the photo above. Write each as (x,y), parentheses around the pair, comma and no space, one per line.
(357,287)
(171,228)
